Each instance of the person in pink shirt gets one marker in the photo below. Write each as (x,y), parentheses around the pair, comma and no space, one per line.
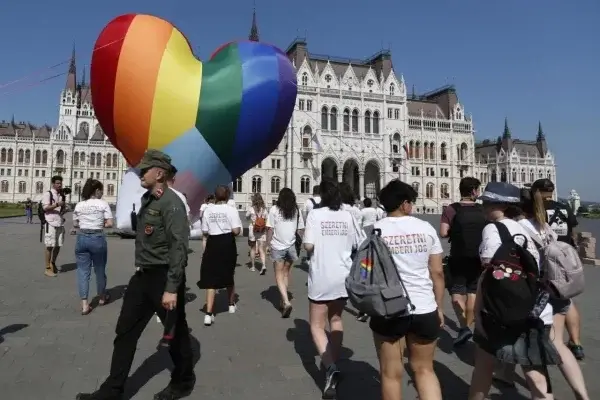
(53,203)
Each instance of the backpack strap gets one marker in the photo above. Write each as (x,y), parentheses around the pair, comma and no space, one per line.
(503,231)
(314,203)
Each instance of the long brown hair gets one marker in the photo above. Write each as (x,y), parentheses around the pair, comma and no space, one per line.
(257,202)
(539,211)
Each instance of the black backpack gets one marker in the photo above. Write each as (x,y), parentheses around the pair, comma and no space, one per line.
(510,287)
(466,230)
(315,204)
(40,210)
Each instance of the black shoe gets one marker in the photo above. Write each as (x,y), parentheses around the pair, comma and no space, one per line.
(98,396)
(172,393)
(463,337)
(332,378)
(362,317)
(577,350)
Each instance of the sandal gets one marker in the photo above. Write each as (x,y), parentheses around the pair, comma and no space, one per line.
(104,300)
(86,311)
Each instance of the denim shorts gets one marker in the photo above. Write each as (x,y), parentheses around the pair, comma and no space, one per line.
(288,254)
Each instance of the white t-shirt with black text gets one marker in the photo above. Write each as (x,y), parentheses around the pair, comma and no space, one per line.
(219,219)
(491,242)
(284,231)
(369,216)
(92,213)
(411,241)
(333,234)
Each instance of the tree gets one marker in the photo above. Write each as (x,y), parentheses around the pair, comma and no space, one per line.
(583,210)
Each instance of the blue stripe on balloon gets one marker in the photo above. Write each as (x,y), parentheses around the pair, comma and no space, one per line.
(202,161)
(260,78)
(288,91)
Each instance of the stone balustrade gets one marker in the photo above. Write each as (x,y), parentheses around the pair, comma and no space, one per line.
(586,247)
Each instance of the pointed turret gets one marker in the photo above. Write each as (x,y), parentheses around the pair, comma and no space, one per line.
(253,37)
(540,134)
(506,133)
(541,144)
(506,137)
(72,75)
(83,78)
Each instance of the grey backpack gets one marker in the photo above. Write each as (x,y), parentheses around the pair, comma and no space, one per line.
(561,266)
(374,285)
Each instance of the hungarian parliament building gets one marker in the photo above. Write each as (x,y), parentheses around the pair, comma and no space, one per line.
(354,121)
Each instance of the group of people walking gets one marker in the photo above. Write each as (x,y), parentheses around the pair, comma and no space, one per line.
(330,228)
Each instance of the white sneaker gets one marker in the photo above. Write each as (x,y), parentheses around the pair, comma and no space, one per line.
(232,309)
(209,319)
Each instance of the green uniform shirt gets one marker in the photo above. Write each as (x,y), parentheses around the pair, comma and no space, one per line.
(162,237)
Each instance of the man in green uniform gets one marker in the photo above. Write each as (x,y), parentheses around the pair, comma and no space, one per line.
(158,285)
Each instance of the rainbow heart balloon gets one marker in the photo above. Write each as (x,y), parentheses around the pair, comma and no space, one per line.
(215,119)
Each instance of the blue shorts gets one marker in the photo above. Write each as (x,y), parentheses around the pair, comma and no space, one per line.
(288,254)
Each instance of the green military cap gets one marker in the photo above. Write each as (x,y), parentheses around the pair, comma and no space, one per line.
(155,158)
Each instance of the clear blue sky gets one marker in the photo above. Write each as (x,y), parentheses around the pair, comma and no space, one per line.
(526,60)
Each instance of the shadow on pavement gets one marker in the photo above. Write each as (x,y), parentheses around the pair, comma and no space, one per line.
(153,366)
(67,267)
(453,387)
(272,296)
(11,329)
(465,352)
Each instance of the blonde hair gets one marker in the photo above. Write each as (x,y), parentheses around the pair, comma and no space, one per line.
(257,202)
(539,211)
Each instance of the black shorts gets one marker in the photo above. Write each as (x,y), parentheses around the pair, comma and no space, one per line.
(424,326)
(344,299)
(464,274)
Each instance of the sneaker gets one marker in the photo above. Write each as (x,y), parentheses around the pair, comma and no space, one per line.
(577,350)
(362,317)
(263,270)
(232,308)
(252,269)
(97,395)
(209,319)
(463,337)
(332,377)
(286,310)
(50,273)
(173,393)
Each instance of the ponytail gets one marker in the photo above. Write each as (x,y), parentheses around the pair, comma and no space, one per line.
(539,211)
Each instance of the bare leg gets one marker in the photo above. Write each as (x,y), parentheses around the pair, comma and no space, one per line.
(210,301)
(569,367)
(481,380)
(421,362)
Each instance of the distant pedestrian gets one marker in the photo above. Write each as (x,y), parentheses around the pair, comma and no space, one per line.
(257,237)
(29,210)
(53,230)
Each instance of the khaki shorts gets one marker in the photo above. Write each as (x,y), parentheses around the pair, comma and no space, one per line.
(54,236)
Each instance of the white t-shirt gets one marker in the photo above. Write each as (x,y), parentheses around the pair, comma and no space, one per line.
(491,242)
(411,241)
(203,208)
(333,234)
(185,203)
(284,231)
(231,203)
(91,214)
(369,216)
(308,205)
(355,211)
(380,213)
(219,219)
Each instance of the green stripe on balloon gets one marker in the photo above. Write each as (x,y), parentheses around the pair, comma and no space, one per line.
(220,102)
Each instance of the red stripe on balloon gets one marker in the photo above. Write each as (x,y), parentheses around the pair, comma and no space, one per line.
(103,74)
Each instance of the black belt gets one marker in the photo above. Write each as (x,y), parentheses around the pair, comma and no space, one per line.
(91,230)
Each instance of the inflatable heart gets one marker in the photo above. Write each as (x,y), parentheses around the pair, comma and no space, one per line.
(215,119)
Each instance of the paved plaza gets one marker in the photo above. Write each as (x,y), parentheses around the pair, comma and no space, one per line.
(49,351)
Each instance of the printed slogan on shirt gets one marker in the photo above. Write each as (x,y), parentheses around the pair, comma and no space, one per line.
(407,244)
(334,228)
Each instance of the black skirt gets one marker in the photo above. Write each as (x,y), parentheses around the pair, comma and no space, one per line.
(218,262)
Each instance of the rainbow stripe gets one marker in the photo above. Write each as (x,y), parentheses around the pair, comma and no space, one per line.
(215,119)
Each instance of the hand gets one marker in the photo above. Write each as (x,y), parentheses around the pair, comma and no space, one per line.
(60,203)
(169,301)
(441,317)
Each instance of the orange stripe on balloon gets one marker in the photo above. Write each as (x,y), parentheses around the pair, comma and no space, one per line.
(138,68)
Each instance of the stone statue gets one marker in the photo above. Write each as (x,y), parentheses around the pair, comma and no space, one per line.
(574,201)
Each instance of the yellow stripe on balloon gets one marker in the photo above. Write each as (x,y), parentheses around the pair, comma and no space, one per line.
(177,94)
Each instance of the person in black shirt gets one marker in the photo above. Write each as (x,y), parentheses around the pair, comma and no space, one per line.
(563,222)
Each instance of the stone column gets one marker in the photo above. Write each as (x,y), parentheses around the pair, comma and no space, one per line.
(361,184)
(340,175)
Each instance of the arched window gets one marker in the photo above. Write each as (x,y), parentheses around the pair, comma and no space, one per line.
(38,156)
(415,186)
(531,176)
(237,185)
(443,152)
(110,189)
(4,187)
(392,89)
(78,188)
(3,155)
(523,176)
(540,174)
(84,129)
(346,121)
(333,119)
(463,152)
(92,159)
(411,149)
(22,187)
(304,79)
(367,121)
(426,150)
(355,121)
(28,156)
(324,118)
(494,176)
(306,137)
(514,175)
(257,184)
(98,160)
(549,175)
(429,191)
(396,143)
(376,122)
(502,175)
(418,149)
(108,160)
(39,187)
(275,184)
(9,158)
(305,185)
(60,157)
(115,160)
(444,191)
(76,159)
(20,156)
(82,158)
(45,157)
(432,151)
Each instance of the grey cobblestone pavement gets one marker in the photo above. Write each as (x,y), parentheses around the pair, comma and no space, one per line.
(49,351)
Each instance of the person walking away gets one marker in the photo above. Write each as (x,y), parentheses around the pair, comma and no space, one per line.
(506,298)
(53,228)
(563,222)
(220,225)
(257,238)
(463,224)
(380,211)
(29,210)
(284,223)
(330,236)
(348,202)
(312,202)
(170,183)
(417,254)
(368,215)
(158,285)
(90,217)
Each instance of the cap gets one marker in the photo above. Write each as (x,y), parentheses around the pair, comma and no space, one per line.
(155,158)
(543,185)
(500,192)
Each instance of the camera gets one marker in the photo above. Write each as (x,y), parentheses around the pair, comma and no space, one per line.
(66,191)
